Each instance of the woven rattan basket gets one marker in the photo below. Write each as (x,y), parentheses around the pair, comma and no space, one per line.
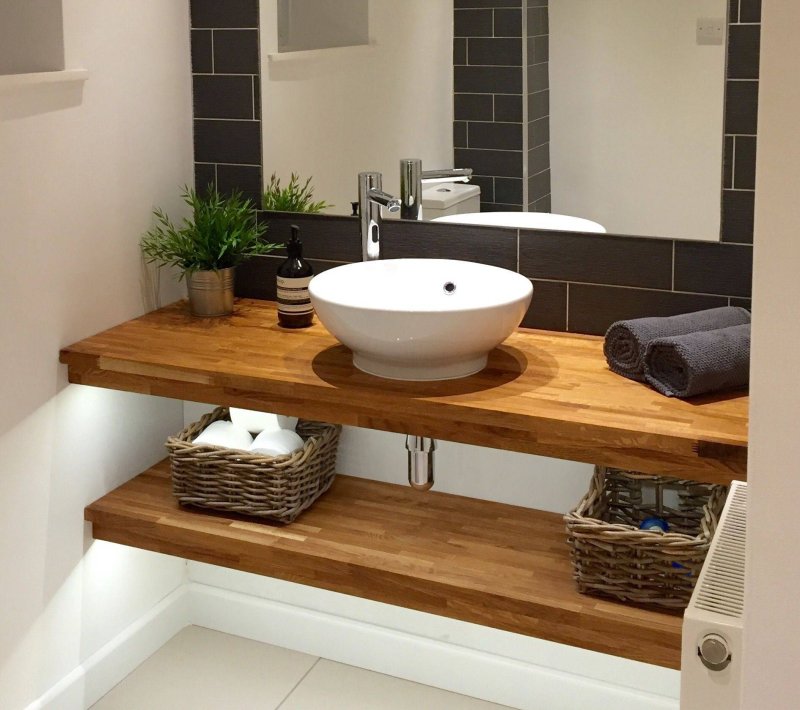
(274,488)
(612,557)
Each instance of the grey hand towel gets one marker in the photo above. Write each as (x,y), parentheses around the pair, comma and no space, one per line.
(627,340)
(696,363)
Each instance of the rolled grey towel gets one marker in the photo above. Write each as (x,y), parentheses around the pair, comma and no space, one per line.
(696,363)
(627,340)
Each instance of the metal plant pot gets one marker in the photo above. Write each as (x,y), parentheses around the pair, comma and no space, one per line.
(211,292)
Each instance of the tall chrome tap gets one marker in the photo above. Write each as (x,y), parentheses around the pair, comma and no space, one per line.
(412,177)
(371,198)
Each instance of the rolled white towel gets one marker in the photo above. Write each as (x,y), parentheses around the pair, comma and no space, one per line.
(227,434)
(277,443)
(256,422)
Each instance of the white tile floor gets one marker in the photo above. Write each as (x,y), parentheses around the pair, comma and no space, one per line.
(206,670)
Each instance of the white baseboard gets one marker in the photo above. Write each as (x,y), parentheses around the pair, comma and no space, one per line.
(90,681)
(419,658)
(550,681)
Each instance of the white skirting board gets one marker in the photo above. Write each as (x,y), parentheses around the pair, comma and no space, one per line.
(464,658)
(90,681)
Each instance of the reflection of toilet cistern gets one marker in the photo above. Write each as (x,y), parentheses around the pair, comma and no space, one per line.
(412,177)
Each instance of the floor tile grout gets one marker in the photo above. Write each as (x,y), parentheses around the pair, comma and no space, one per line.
(297,685)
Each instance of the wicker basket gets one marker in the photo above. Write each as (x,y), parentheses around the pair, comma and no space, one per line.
(612,557)
(274,488)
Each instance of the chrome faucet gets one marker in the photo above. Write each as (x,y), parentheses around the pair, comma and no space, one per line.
(411,178)
(371,198)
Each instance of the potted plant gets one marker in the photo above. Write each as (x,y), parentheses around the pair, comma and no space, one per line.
(206,247)
(292,198)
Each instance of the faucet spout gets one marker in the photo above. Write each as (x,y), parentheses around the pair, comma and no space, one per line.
(412,176)
(371,198)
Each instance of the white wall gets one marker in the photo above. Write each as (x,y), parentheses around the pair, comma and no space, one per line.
(339,112)
(79,175)
(772,629)
(636,111)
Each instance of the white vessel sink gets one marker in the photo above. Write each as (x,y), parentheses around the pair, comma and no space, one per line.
(420,319)
(526,220)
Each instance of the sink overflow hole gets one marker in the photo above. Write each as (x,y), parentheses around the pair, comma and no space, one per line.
(449,288)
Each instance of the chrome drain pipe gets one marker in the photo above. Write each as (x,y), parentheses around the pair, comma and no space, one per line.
(420,461)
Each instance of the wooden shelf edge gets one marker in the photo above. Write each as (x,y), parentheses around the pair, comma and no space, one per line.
(476,561)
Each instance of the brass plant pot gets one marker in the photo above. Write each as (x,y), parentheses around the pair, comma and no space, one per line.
(211,292)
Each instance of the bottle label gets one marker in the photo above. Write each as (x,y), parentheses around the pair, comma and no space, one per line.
(293,296)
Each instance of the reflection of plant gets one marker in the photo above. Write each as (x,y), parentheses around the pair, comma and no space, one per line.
(222,232)
(292,198)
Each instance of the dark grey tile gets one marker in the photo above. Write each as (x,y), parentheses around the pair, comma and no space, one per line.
(244,178)
(487,80)
(231,13)
(486,183)
(508,190)
(538,185)
(741,107)
(738,216)
(222,96)
(538,77)
(727,163)
(205,174)
(474,23)
(220,141)
(459,50)
(539,159)
(257,97)
(474,107)
(744,46)
(490,51)
(508,23)
(498,136)
(460,134)
(486,245)
(538,21)
(256,278)
(704,267)
(202,59)
(538,50)
(744,174)
(459,4)
(548,309)
(539,132)
(499,207)
(327,237)
(499,163)
(592,309)
(733,11)
(543,204)
(236,52)
(508,108)
(750,11)
(538,105)
(594,258)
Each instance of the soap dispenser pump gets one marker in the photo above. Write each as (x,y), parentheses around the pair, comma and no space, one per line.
(294,276)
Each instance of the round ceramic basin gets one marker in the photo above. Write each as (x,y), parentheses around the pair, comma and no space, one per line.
(527,220)
(420,319)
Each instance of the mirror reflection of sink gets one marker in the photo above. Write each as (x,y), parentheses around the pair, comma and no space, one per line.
(527,220)
(420,319)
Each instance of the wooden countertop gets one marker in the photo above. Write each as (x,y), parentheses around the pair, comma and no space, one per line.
(487,563)
(542,393)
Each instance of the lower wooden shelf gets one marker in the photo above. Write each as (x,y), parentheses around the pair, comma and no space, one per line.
(487,563)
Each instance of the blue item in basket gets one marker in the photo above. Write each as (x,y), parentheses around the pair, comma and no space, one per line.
(654,523)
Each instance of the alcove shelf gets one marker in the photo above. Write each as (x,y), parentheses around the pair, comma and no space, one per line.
(9,82)
(542,393)
(488,563)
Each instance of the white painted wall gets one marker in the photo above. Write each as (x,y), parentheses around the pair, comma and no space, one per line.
(338,112)
(636,109)
(772,629)
(79,175)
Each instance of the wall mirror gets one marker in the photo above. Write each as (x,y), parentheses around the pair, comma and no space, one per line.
(607,110)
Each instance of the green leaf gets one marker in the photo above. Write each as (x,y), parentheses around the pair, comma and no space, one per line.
(292,198)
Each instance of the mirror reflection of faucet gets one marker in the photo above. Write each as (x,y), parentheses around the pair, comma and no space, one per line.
(413,195)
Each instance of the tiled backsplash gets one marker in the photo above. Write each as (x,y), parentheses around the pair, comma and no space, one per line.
(582,282)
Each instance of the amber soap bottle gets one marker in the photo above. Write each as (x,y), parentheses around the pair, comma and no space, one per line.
(294,275)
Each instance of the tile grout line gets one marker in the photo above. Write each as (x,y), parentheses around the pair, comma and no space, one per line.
(297,685)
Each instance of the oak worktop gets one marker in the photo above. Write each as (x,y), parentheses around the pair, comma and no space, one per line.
(542,393)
